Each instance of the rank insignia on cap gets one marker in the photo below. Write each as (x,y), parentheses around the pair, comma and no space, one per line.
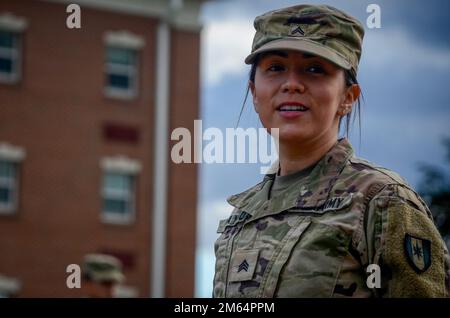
(296,30)
(418,252)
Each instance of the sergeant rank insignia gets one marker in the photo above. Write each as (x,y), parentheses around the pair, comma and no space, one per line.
(418,252)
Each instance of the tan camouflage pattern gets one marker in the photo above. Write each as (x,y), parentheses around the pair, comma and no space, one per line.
(317,238)
(327,27)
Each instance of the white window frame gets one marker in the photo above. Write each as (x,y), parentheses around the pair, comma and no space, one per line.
(127,195)
(128,41)
(12,184)
(13,54)
(14,155)
(119,165)
(15,25)
(131,71)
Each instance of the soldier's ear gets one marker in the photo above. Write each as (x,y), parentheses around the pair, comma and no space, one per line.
(351,94)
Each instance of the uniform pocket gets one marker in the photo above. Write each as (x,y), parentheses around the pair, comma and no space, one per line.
(280,257)
(314,263)
(263,249)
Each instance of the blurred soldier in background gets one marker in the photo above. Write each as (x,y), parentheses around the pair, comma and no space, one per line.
(101,274)
(9,287)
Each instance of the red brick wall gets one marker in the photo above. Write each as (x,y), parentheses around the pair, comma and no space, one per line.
(57,113)
(181,238)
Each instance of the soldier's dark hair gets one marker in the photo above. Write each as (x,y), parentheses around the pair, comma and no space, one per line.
(350,79)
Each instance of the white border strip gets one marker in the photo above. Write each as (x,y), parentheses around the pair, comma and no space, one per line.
(124,38)
(11,153)
(120,164)
(11,22)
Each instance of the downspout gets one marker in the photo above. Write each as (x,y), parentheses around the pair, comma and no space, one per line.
(160,167)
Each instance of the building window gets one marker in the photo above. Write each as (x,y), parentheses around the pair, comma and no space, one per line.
(11,30)
(10,159)
(8,187)
(121,65)
(119,190)
(9,57)
(118,198)
(121,72)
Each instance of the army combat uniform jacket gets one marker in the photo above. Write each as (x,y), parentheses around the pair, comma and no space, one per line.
(348,229)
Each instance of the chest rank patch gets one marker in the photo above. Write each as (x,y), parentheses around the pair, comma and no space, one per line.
(243,265)
(418,253)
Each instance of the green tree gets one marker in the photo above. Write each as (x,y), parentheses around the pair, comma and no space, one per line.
(434,187)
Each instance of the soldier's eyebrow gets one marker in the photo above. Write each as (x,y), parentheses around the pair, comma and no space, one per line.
(285,54)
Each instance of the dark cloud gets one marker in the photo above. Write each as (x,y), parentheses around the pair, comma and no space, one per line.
(428,21)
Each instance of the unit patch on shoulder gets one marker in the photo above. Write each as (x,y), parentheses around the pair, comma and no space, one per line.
(418,252)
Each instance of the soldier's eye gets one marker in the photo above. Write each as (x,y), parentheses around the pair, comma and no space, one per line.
(275,67)
(317,69)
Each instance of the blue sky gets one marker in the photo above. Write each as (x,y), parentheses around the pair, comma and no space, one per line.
(404,74)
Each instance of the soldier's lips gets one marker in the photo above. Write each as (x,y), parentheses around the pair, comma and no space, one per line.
(291,109)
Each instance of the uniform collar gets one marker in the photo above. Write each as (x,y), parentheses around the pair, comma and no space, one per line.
(310,192)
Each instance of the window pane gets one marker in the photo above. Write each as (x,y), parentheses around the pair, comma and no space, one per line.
(118,81)
(5,195)
(7,39)
(7,169)
(117,182)
(120,56)
(5,65)
(115,206)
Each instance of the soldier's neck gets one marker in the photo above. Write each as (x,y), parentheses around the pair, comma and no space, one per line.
(296,157)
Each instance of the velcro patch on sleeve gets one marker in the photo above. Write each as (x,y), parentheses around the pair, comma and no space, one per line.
(414,252)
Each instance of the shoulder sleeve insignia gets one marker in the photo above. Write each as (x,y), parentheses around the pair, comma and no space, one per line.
(418,252)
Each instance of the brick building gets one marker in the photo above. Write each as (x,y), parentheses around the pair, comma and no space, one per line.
(85,121)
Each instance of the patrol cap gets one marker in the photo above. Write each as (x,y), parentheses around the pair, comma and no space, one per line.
(102,268)
(320,30)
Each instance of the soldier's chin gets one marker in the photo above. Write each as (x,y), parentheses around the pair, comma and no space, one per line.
(289,136)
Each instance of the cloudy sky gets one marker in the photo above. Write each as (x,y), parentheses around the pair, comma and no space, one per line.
(404,74)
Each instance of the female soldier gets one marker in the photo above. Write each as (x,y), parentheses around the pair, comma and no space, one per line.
(325,223)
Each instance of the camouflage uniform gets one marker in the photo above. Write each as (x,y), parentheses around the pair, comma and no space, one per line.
(319,236)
